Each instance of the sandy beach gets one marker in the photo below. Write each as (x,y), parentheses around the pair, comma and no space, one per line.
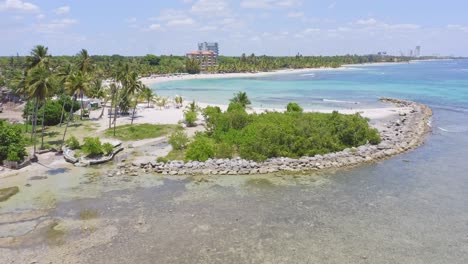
(168,78)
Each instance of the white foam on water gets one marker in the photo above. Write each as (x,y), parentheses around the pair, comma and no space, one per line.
(339,101)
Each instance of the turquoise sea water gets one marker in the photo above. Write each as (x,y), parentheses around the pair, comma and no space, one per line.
(438,83)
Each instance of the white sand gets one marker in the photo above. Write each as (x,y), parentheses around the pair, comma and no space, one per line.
(172,115)
(168,78)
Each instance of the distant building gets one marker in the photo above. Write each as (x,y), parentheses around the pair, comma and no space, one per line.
(382,53)
(209,46)
(205,58)
(417,51)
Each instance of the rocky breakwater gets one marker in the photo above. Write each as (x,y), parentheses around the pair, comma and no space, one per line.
(402,133)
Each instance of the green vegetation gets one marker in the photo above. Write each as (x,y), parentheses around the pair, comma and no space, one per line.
(178,140)
(241,98)
(201,149)
(12,143)
(140,131)
(92,146)
(73,143)
(294,108)
(107,148)
(191,114)
(272,134)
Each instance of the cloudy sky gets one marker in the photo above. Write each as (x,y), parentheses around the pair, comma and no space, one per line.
(272,27)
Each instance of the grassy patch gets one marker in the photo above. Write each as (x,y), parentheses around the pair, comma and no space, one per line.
(176,155)
(140,131)
(6,193)
(53,134)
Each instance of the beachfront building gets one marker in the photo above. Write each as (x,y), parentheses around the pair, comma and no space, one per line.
(209,46)
(206,59)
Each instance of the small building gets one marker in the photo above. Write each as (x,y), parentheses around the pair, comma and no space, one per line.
(206,59)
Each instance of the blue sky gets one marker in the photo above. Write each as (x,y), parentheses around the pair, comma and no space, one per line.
(272,27)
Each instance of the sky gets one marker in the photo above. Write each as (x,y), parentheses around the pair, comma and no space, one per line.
(270,27)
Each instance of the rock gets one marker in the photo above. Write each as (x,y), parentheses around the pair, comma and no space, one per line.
(37,178)
(173,173)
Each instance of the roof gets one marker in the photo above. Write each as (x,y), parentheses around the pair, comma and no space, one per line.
(200,52)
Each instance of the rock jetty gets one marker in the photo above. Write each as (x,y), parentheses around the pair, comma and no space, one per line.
(404,132)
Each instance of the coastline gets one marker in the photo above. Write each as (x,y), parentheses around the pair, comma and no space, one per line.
(204,76)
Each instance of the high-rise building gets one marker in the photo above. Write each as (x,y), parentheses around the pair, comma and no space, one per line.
(206,59)
(209,46)
(417,51)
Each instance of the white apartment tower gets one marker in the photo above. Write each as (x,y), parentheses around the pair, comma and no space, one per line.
(209,46)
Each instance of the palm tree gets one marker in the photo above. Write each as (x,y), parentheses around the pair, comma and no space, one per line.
(147,94)
(40,83)
(79,83)
(178,100)
(63,74)
(241,98)
(84,61)
(38,57)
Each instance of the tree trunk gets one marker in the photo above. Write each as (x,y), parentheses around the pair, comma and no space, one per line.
(115,117)
(103,108)
(63,111)
(81,97)
(133,114)
(43,119)
(68,122)
(33,134)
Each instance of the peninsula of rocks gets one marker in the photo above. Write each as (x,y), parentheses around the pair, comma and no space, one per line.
(404,132)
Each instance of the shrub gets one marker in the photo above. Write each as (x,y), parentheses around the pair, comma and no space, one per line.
(73,143)
(92,146)
(190,118)
(294,108)
(107,148)
(12,145)
(224,151)
(53,112)
(178,140)
(13,156)
(201,149)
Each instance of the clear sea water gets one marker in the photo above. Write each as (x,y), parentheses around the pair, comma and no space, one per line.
(412,208)
(438,83)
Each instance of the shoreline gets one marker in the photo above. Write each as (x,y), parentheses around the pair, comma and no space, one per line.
(404,132)
(204,76)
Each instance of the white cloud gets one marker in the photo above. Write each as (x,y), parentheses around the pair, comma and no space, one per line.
(18,6)
(154,27)
(208,28)
(366,22)
(373,23)
(295,14)
(181,22)
(211,7)
(172,17)
(62,10)
(55,25)
(267,4)
(131,20)
(458,27)
(40,16)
